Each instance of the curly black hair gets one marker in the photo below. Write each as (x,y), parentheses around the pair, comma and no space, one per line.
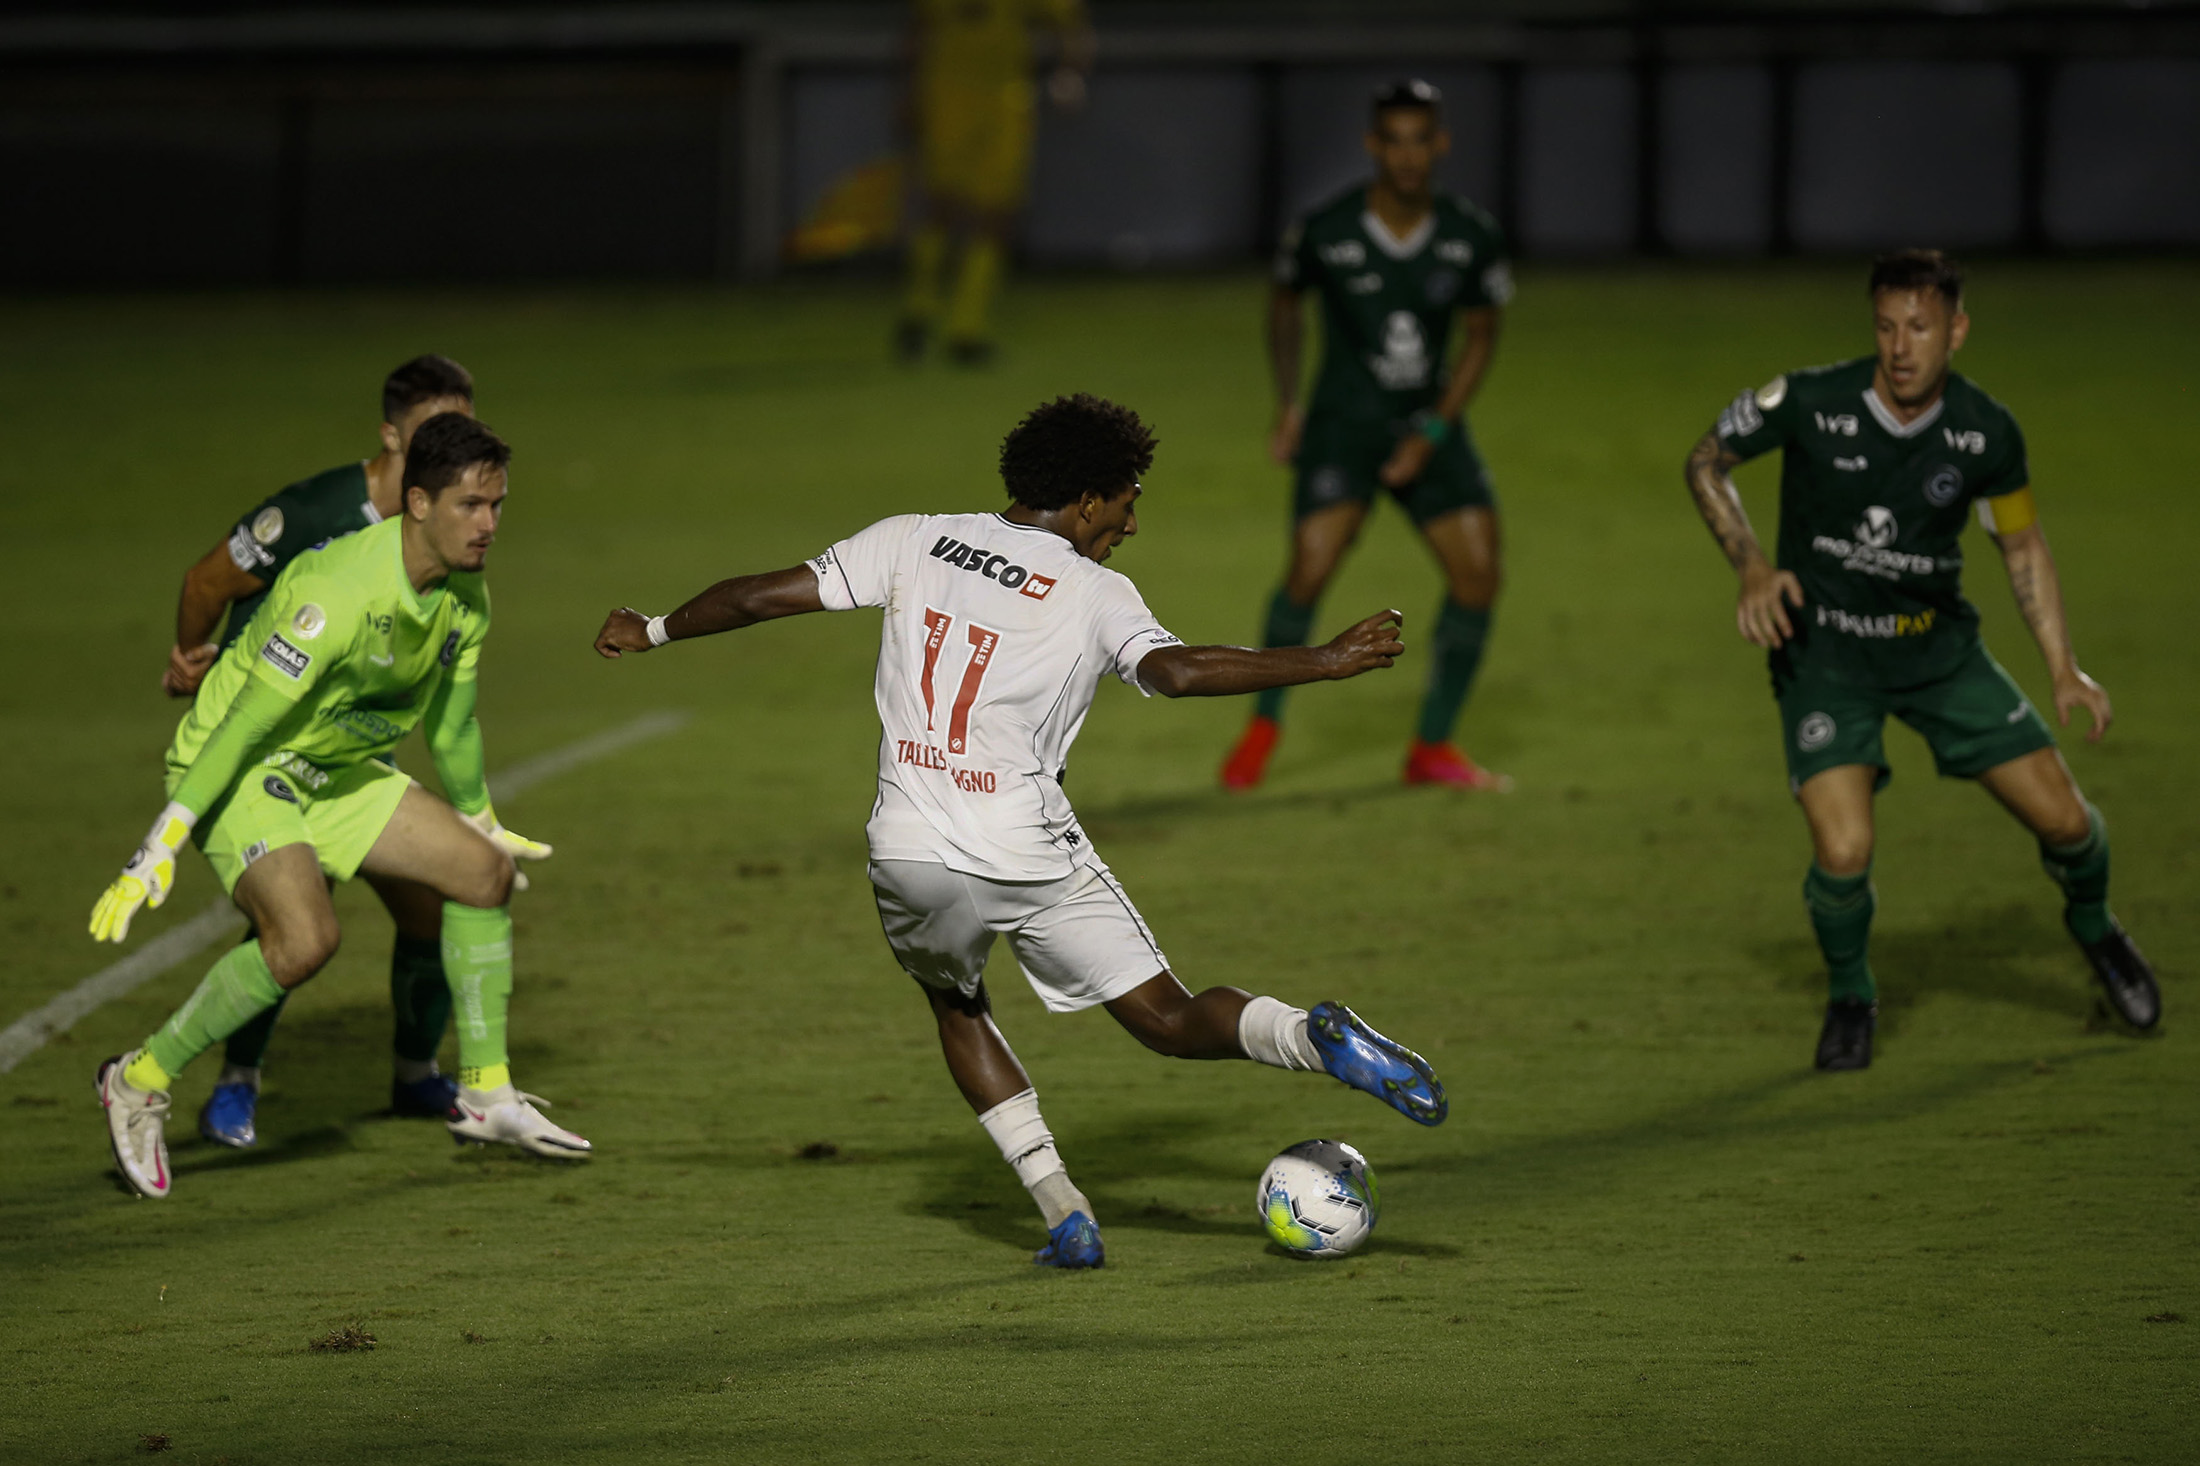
(1071,447)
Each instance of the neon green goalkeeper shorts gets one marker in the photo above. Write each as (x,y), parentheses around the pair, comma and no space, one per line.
(287,801)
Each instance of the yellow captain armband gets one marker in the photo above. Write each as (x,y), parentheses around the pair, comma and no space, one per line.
(2006,514)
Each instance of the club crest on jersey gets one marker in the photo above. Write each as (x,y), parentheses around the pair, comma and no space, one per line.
(1441,287)
(1349,253)
(285,658)
(1945,484)
(995,567)
(280,790)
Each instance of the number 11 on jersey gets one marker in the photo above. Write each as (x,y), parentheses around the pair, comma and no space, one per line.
(983,643)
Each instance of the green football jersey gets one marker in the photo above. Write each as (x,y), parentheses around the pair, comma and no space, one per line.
(1388,303)
(1872,513)
(358,653)
(283,527)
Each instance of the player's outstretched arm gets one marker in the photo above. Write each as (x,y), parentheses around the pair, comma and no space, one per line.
(2038,589)
(210,587)
(727,606)
(1220,671)
(1760,609)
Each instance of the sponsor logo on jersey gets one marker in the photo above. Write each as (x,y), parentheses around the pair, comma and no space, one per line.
(380,623)
(363,723)
(993,566)
(267,525)
(245,552)
(1814,732)
(1852,465)
(1366,284)
(1773,393)
(1348,253)
(1457,251)
(1971,441)
(290,763)
(285,658)
(1404,362)
(1877,528)
(449,654)
(309,621)
(279,789)
(1876,628)
(1945,485)
(1741,417)
(1844,423)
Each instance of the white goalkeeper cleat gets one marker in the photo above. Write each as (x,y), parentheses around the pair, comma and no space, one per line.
(136,1129)
(508,1117)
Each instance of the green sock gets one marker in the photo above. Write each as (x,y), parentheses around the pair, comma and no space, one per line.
(477,958)
(2082,872)
(233,991)
(419,996)
(1457,648)
(1288,625)
(1841,910)
(248,1045)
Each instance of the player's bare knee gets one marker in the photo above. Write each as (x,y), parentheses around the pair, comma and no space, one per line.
(2068,825)
(485,880)
(1845,854)
(295,950)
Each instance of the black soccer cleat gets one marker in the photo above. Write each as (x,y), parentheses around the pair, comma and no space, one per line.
(1846,1040)
(2125,976)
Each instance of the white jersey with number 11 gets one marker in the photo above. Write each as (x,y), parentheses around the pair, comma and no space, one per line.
(996,637)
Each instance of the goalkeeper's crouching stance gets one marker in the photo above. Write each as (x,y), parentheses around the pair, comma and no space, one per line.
(279,774)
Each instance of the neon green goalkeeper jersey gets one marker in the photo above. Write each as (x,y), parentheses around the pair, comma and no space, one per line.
(342,660)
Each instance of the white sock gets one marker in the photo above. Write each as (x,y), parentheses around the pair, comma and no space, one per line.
(412,1071)
(1028,1146)
(1273,1032)
(239,1074)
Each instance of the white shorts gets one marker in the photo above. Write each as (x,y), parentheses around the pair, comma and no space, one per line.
(1079,940)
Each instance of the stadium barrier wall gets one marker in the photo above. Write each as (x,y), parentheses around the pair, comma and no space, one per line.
(683,142)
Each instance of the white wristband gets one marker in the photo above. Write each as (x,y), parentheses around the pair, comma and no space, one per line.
(658,636)
(174,826)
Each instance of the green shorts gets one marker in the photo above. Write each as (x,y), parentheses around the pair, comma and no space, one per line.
(1339,460)
(1975,718)
(287,801)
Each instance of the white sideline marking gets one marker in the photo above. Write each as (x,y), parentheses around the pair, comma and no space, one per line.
(28,1034)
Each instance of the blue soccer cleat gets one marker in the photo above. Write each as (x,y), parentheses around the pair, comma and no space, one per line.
(424,1099)
(226,1117)
(1359,1056)
(1075,1243)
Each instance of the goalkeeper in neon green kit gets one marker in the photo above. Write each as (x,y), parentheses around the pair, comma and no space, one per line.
(274,774)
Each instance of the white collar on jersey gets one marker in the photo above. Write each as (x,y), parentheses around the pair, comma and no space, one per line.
(1390,244)
(1896,427)
(374,515)
(1012,524)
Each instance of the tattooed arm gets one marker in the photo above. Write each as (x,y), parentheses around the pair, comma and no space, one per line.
(1760,611)
(2038,590)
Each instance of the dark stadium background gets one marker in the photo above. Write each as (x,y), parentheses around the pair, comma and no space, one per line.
(202,144)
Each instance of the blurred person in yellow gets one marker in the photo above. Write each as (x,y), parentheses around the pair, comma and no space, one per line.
(970,107)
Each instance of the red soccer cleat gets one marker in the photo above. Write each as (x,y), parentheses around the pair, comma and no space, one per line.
(1247,764)
(1444,763)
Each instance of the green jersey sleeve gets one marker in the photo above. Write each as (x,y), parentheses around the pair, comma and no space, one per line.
(1757,422)
(463,661)
(1489,275)
(305,629)
(284,525)
(2009,470)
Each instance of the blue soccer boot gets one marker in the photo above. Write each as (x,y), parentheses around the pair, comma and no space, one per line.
(226,1117)
(428,1098)
(1075,1243)
(1359,1056)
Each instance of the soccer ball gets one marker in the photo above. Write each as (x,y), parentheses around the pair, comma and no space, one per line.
(1318,1199)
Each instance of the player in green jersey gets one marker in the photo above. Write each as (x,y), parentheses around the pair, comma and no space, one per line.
(1882,459)
(277,773)
(234,577)
(1395,263)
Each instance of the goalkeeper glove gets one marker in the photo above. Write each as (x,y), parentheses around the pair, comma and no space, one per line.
(147,879)
(519,847)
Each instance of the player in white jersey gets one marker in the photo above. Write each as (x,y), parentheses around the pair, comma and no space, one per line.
(998,630)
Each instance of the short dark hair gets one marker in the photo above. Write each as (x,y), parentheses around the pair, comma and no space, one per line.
(1071,447)
(1919,269)
(424,379)
(445,446)
(1408,92)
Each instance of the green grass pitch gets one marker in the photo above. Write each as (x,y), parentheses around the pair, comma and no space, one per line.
(1648,1230)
